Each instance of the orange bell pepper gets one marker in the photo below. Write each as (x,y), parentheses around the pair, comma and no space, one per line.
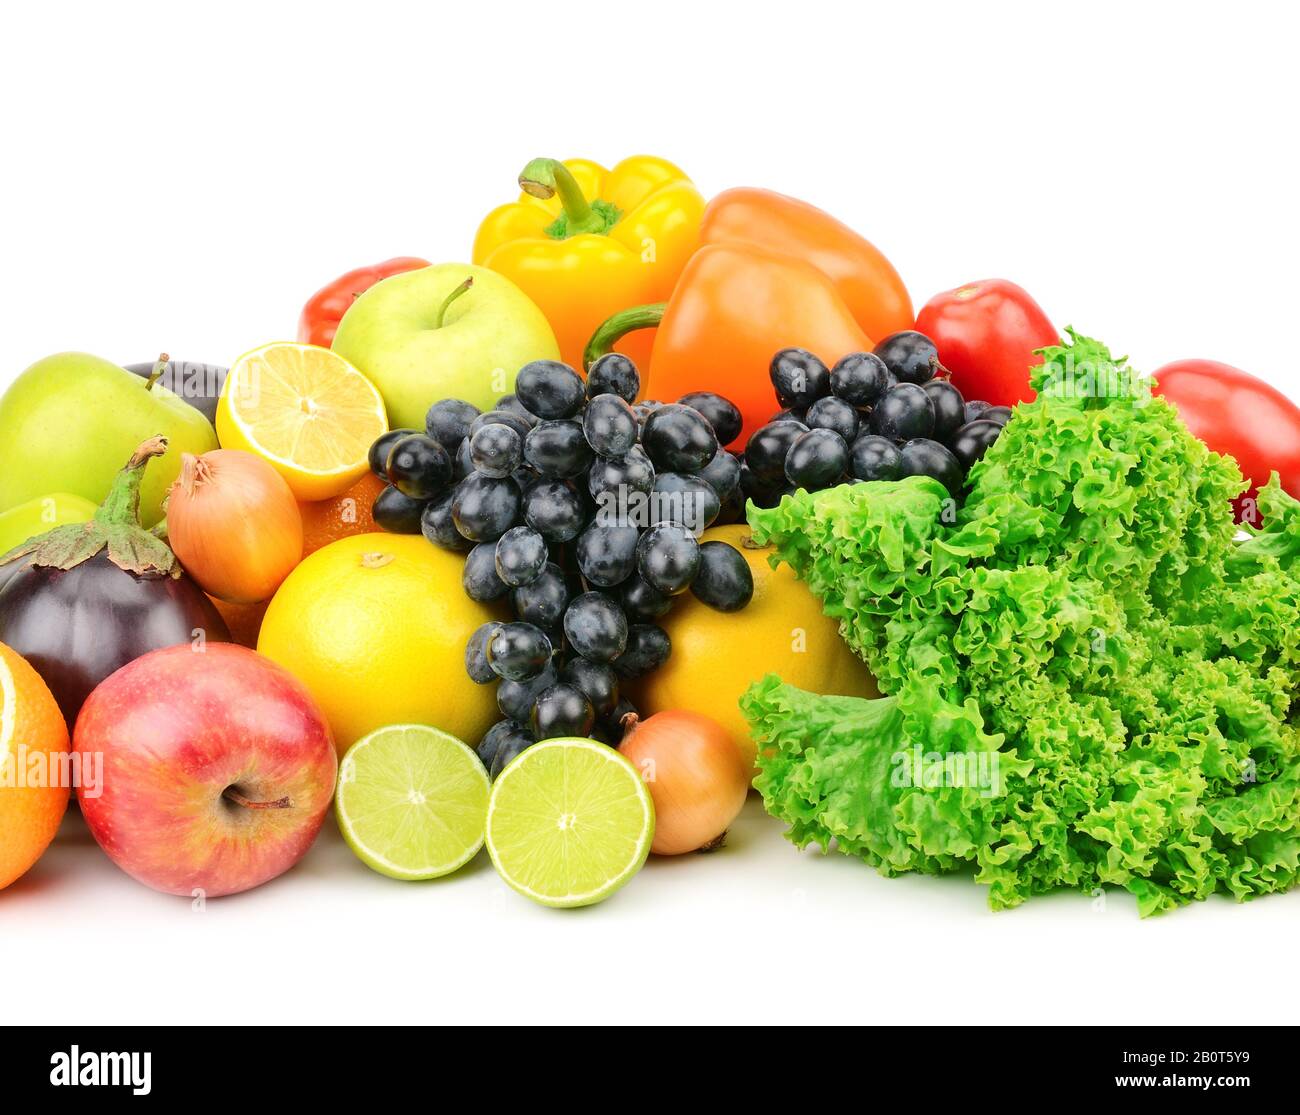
(733,309)
(865,279)
(583,241)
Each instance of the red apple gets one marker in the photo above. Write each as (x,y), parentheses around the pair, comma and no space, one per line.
(218,769)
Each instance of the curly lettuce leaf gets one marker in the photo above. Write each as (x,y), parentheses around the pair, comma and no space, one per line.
(1088,617)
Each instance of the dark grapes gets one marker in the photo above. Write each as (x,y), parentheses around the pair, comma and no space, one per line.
(584,508)
(511,405)
(596,627)
(923,457)
(382,447)
(904,412)
(641,602)
(648,648)
(515,698)
(860,379)
(557,449)
(724,580)
(484,508)
(722,474)
(789,414)
(835,414)
(678,439)
(500,418)
(615,475)
(448,422)
(667,557)
(397,513)
(680,498)
(597,682)
(521,555)
(550,389)
(910,356)
(437,526)
(505,739)
(949,408)
(733,507)
(419,467)
(555,510)
(518,651)
(722,414)
(462,465)
(476,662)
(496,450)
(526,476)
(1000,415)
(606,552)
(610,426)
(562,710)
(816,460)
(614,374)
(971,442)
(480,574)
(800,378)
(614,721)
(509,750)
(543,600)
(875,458)
(766,450)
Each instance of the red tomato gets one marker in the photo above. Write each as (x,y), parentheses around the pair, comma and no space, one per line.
(1239,416)
(986,333)
(325,309)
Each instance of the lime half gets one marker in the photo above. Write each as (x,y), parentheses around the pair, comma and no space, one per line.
(570,821)
(412,801)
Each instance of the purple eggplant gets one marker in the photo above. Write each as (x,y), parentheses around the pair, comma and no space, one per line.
(90,597)
(198,384)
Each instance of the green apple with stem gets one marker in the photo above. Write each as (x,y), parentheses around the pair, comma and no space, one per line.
(448,331)
(69,421)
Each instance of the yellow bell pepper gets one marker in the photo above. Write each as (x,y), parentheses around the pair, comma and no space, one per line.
(583,242)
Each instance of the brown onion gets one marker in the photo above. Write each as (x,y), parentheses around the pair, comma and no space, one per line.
(234,524)
(695,773)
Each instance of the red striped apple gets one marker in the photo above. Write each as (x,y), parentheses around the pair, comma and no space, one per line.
(218,769)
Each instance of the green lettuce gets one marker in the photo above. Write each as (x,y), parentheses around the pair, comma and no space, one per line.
(1090,681)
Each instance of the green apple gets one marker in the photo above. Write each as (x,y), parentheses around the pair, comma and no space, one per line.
(427,335)
(69,421)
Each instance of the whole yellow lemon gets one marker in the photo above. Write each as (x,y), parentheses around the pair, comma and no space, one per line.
(716,655)
(375,627)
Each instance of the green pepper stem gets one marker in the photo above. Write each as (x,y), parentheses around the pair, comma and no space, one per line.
(160,366)
(446,302)
(618,325)
(544,178)
(122,504)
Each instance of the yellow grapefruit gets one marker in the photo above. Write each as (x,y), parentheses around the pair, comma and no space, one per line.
(375,627)
(716,655)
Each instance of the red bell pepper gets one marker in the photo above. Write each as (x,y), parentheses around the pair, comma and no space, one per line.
(325,309)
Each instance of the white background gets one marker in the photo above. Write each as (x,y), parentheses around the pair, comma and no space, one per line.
(182,177)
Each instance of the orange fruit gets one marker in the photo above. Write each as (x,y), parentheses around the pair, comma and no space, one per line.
(717,655)
(33,735)
(328,520)
(304,410)
(375,626)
